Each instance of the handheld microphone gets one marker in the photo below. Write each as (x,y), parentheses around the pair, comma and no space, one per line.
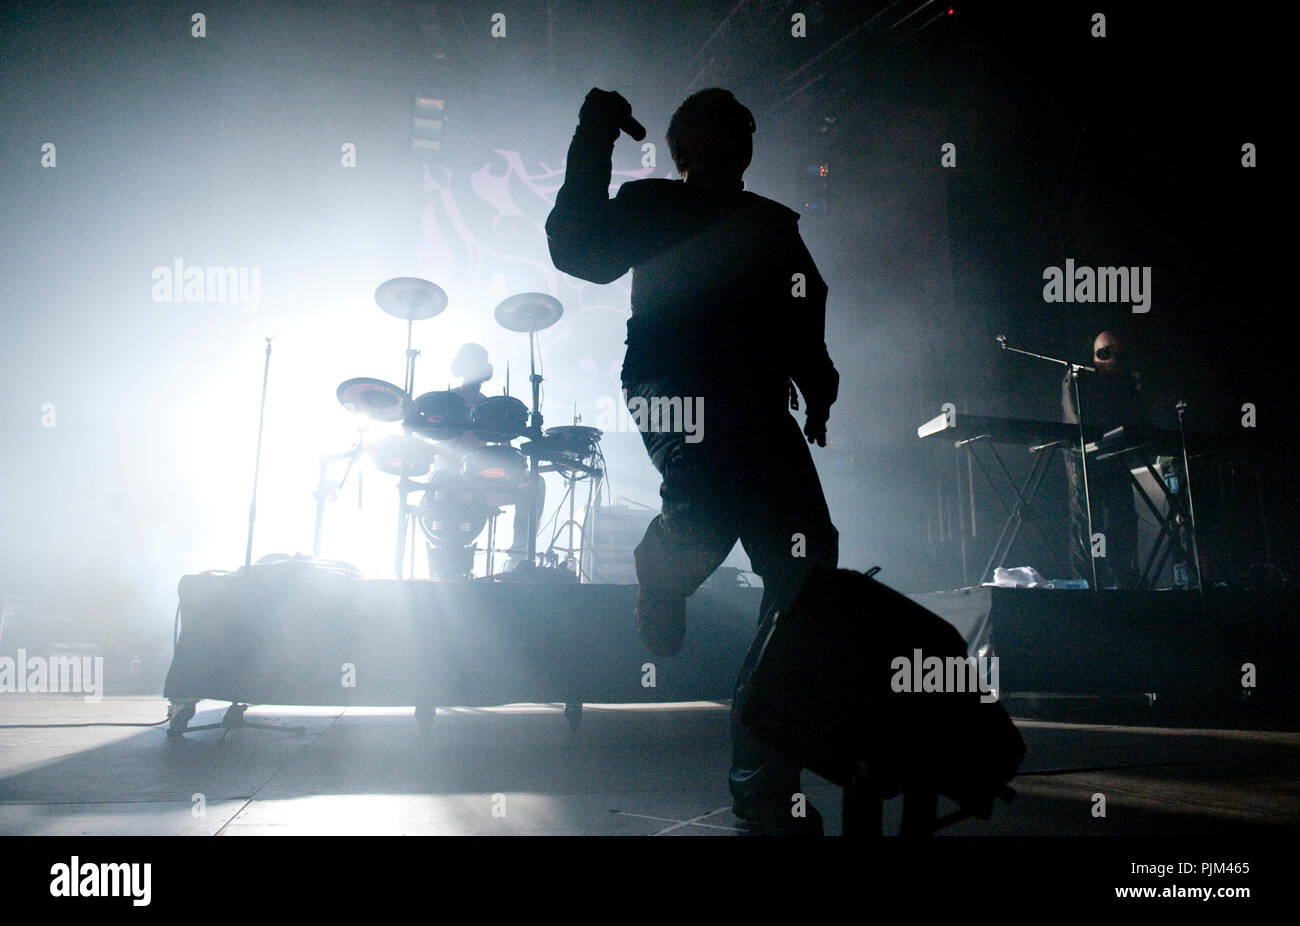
(632,127)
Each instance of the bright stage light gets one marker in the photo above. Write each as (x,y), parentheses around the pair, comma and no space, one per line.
(342,335)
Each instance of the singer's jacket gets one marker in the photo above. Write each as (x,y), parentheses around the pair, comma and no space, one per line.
(724,292)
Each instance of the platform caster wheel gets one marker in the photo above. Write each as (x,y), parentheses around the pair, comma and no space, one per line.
(573,714)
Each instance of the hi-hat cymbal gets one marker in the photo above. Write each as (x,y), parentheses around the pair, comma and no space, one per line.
(375,398)
(410,298)
(528,312)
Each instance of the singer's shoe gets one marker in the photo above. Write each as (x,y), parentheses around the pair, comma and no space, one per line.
(661,621)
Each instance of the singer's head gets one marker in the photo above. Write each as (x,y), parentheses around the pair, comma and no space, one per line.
(711,138)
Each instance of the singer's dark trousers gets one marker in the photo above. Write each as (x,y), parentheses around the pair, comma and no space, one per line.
(747,475)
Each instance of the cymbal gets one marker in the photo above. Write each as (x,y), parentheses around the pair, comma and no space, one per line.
(375,398)
(565,445)
(410,298)
(528,312)
(560,456)
(575,433)
(398,455)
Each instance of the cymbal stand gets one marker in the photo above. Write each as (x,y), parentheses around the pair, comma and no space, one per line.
(411,354)
(406,512)
(534,431)
(572,476)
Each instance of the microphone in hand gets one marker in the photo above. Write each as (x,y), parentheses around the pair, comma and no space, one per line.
(609,111)
(632,127)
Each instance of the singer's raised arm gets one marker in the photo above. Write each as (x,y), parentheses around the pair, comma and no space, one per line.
(590,235)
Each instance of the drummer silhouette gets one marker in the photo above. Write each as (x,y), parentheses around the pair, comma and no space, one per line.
(728,309)
(472,367)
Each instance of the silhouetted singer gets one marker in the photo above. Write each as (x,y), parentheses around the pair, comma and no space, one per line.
(728,309)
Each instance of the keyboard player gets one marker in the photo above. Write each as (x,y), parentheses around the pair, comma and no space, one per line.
(1111,398)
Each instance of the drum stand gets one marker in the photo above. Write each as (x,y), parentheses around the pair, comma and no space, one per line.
(535,429)
(491,550)
(327,490)
(571,479)
(410,299)
(530,312)
(438,555)
(405,511)
(405,524)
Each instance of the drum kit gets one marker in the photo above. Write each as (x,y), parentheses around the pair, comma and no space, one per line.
(456,502)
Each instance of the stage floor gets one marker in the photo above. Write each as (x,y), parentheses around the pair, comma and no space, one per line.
(633,770)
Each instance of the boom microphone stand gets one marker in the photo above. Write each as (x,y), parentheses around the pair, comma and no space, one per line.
(182,710)
(1181,407)
(1074,369)
(257,461)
